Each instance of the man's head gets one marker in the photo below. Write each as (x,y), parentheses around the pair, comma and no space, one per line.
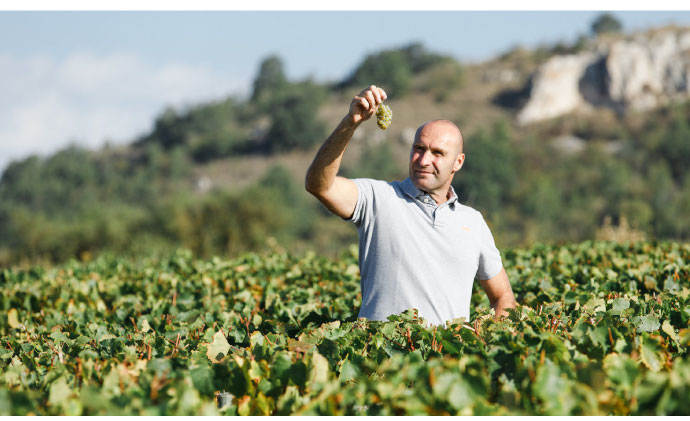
(436,156)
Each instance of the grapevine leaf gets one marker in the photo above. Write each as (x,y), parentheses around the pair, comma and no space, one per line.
(449,347)
(202,378)
(60,337)
(599,336)
(145,327)
(243,407)
(647,323)
(670,285)
(299,346)
(684,336)
(669,330)
(459,396)
(618,306)
(218,349)
(289,401)
(388,330)
(319,368)
(594,305)
(107,336)
(280,367)
(649,357)
(552,387)
(348,371)
(298,374)
(59,392)
(13,319)
(621,370)
(256,371)
(256,339)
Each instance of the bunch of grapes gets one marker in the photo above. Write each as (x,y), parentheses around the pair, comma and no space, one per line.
(384,116)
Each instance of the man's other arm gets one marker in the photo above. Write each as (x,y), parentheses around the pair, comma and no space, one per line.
(339,194)
(500,293)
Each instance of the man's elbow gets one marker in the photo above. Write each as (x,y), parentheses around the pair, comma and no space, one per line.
(313,188)
(310,184)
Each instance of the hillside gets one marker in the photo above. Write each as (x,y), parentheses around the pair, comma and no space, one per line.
(226,177)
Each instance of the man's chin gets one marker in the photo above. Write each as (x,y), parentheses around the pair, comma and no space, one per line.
(420,182)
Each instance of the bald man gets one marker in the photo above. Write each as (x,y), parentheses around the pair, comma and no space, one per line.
(418,246)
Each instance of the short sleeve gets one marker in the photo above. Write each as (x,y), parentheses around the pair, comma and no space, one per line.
(365,194)
(489,257)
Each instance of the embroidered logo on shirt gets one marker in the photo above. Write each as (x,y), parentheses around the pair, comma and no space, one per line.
(465,229)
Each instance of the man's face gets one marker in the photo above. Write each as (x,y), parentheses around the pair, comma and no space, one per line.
(435,157)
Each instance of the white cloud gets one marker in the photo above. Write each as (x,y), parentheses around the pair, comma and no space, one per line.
(89,99)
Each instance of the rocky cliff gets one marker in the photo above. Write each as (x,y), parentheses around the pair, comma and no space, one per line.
(640,71)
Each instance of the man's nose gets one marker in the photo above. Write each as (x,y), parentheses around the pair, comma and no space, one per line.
(424,159)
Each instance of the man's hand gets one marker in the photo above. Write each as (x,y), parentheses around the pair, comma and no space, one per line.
(364,105)
(500,293)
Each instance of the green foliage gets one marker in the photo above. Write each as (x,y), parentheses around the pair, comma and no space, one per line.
(387,69)
(75,202)
(442,79)
(605,22)
(393,69)
(227,222)
(488,175)
(294,120)
(210,132)
(376,161)
(674,147)
(270,79)
(602,329)
(420,59)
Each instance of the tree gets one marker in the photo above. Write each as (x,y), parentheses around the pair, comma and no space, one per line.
(393,69)
(674,147)
(606,22)
(294,122)
(389,69)
(269,80)
(168,131)
(420,59)
(488,176)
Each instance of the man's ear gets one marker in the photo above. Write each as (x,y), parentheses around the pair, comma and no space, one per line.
(459,162)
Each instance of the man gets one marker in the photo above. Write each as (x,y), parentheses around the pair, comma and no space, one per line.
(418,246)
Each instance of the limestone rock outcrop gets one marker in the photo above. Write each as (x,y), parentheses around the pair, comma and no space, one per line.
(641,72)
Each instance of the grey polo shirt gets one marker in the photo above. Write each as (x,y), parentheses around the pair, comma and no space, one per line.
(414,253)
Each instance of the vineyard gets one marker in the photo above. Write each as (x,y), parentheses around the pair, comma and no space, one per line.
(603,328)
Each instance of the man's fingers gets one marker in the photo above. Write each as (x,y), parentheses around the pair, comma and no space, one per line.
(377,94)
(372,100)
(368,100)
(362,102)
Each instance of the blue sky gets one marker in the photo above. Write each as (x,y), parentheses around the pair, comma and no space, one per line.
(88,77)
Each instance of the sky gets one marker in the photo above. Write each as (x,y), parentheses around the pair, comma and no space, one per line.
(89,77)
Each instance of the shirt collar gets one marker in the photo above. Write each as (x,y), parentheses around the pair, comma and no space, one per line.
(411,190)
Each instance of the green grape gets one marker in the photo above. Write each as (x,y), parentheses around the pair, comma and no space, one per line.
(384,116)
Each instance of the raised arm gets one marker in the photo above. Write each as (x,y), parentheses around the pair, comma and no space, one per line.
(339,194)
